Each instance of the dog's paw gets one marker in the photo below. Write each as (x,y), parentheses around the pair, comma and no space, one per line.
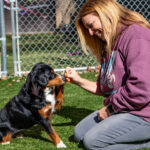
(5,143)
(19,137)
(61,145)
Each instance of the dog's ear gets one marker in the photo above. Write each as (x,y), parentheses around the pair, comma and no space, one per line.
(59,96)
(36,84)
(28,81)
(27,84)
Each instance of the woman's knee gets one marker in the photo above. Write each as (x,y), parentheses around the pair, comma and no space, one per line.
(88,141)
(77,134)
(96,140)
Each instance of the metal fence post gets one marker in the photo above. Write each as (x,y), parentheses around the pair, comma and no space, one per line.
(13,36)
(3,42)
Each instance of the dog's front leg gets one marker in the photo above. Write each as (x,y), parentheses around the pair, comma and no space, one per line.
(55,138)
(59,95)
(45,114)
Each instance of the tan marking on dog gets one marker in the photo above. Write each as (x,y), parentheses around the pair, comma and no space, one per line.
(55,82)
(6,138)
(52,71)
(56,139)
(45,112)
(54,136)
(59,97)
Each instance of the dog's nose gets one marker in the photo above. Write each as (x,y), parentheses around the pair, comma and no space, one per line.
(63,78)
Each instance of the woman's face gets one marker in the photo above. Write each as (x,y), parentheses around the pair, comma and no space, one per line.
(93,24)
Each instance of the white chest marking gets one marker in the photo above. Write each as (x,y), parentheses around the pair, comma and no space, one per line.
(50,98)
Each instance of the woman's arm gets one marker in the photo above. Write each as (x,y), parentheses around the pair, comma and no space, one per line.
(89,86)
(85,84)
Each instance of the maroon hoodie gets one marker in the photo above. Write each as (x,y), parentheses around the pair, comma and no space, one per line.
(125,75)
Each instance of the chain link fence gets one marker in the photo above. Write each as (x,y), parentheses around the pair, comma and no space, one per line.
(45,32)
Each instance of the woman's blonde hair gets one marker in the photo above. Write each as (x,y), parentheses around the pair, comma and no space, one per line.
(110,13)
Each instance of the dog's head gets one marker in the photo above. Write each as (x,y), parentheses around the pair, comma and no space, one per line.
(42,76)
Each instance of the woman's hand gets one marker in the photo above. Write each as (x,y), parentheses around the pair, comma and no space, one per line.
(103,113)
(72,75)
(90,86)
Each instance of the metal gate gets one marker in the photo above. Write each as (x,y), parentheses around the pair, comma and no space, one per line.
(45,32)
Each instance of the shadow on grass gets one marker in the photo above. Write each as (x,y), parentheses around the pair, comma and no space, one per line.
(80,145)
(35,133)
(76,114)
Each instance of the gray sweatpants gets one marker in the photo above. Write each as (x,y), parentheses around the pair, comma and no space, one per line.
(118,132)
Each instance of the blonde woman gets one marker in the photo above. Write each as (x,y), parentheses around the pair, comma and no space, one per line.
(120,41)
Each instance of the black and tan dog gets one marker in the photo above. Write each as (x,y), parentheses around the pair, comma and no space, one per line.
(37,100)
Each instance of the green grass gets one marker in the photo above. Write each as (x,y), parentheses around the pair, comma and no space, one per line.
(78,104)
